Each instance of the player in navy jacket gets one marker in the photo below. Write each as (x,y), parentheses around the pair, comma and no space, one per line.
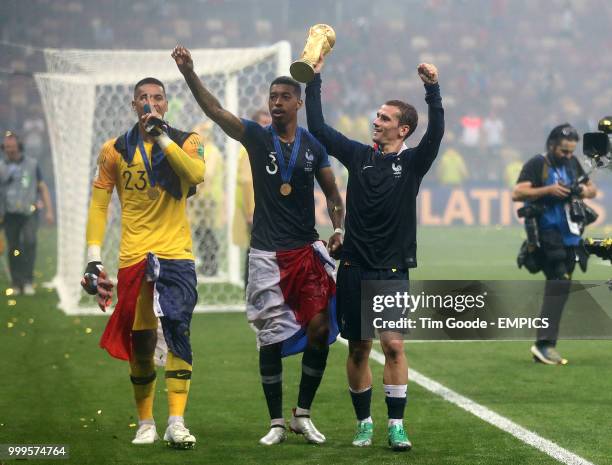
(380,241)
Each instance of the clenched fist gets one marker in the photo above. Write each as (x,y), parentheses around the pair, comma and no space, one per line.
(183,59)
(428,73)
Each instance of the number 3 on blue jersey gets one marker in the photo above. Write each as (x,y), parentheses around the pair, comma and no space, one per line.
(274,168)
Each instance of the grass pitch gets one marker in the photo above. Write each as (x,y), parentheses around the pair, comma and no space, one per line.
(59,387)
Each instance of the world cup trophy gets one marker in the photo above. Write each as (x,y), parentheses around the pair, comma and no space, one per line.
(321,39)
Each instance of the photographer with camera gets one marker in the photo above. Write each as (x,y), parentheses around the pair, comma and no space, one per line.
(552,185)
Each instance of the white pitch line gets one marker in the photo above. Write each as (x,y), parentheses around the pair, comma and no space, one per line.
(529,437)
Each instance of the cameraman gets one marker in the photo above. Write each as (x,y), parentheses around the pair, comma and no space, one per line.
(550,181)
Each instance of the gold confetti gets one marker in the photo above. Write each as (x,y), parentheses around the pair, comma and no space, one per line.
(9,325)
(66,356)
(16,253)
(99,412)
(9,291)
(85,426)
(132,425)
(82,419)
(88,330)
(30,320)
(11,302)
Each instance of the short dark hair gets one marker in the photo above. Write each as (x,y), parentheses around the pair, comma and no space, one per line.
(149,80)
(297,88)
(563,131)
(408,114)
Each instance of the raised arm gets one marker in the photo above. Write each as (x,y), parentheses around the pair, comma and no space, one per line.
(230,123)
(336,143)
(428,147)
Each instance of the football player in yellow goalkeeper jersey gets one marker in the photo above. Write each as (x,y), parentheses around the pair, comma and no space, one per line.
(153,167)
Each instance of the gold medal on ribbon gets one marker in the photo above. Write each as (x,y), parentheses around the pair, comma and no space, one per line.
(284,168)
(153,193)
(285,189)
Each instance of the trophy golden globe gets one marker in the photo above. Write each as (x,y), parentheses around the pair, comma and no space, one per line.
(321,39)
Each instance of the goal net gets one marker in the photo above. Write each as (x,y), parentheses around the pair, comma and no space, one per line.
(87,98)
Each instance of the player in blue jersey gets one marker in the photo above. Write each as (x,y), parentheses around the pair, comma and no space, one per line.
(290,271)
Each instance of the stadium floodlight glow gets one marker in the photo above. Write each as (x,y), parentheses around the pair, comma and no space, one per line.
(86,96)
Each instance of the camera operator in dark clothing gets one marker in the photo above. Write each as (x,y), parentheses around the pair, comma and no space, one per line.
(552,185)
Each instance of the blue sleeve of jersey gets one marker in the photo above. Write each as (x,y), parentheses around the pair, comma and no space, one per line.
(427,150)
(340,146)
(252,132)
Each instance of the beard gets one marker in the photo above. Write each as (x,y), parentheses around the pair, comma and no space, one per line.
(559,161)
(563,161)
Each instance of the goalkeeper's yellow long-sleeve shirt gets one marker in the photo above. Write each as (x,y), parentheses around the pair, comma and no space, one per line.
(157,225)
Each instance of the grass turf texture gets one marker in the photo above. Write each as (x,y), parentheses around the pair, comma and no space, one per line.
(56,379)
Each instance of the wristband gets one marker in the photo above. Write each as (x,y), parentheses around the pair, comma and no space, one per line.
(93,254)
(163,141)
(339,231)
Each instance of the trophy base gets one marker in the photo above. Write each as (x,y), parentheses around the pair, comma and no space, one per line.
(301,71)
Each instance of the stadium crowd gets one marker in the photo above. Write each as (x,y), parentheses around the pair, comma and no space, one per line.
(508,76)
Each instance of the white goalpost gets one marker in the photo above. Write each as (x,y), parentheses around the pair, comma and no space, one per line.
(86,96)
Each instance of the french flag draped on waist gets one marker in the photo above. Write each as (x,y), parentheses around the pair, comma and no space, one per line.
(286,290)
(174,299)
(116,338)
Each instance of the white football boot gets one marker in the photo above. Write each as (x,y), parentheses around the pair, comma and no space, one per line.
(179,437)
(276,435)
(302,424)
(146,434)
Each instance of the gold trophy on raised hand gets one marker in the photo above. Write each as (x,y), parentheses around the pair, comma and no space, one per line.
(321,39)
